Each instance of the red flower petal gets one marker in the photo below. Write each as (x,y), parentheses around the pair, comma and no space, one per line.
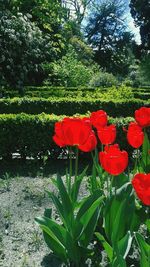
(90,144)
(113,160)
(142,116)
(107,134)
(99,118)
(141,184)
(135,135)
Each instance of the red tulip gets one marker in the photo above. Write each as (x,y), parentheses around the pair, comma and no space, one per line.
(99,118)
(142,116)
(107,134)
(135,135)
(141,184)
(90,144)
(113,160)
(59,138)
(75,132)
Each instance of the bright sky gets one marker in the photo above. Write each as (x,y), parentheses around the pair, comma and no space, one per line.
(132,27)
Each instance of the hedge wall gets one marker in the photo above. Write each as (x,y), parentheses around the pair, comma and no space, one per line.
(31,135)
(47,91)
(141,95)
(70,106)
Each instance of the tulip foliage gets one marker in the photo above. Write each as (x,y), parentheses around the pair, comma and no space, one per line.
(117,204)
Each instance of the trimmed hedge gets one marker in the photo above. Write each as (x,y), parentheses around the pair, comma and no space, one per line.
(47,91)
(31,135)
(70,106)
(142,95)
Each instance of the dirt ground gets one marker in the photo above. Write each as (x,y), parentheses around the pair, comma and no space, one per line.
(22,198)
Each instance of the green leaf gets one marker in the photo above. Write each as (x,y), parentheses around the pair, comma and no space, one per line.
(145,162)
(120,180)
(116,219)
(48,213)
(53,238)
(118,228)
(124,245)
(88,233)
(106,246)
(85,213)
(66,201)
(144,249)
(59,208)
(76,185)
(119,262)
(148,224)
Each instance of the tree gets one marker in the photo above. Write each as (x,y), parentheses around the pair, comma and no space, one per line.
(48,15)
(76,9)
(140,11)
(22,49)
(106,32)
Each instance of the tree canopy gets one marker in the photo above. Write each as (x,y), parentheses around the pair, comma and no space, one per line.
(106,32)
(140,11)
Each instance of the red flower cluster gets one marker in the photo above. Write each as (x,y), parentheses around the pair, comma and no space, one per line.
(106,134)
(75,132)
(141,184)
(135,135)
(113,160)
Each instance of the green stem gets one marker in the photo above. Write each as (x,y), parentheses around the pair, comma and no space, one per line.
(70,170)
(136,161)
(108,191)
(114,179)
(76,163)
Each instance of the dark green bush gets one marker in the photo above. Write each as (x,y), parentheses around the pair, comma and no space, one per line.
(31,135)
(70,106)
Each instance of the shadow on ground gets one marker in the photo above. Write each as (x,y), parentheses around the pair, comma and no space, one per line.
(34,168)
(51,261)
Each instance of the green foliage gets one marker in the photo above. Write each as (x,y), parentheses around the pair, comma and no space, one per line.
(144,250)
(106,31)
(145,67)
(122,92)
(48,15)
(69,71)
(69,106)
(70,239)
(140,12)
(31,135)
(83,52)
(103,79)
(22,49)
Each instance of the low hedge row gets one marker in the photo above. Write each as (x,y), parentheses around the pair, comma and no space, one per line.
(70,106)
(54,88)
(31,135)
(50,93)
(46,92)
(141,95)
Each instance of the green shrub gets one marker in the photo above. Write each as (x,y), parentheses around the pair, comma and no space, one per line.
(69,71)
(70,106)
(103,79)
(31,135)
(121,92)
